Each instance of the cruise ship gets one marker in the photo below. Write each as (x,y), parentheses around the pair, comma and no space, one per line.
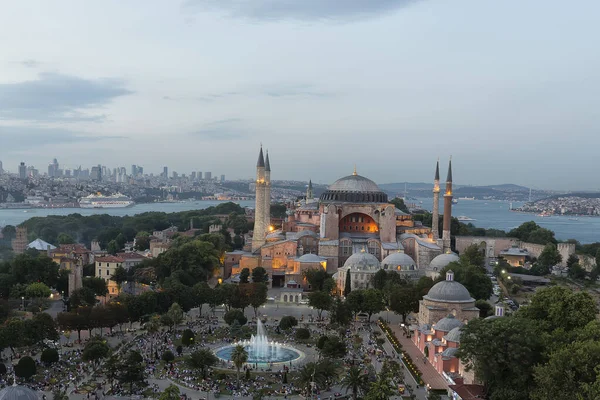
(117,200)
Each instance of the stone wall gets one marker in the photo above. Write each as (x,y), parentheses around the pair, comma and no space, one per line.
(587,262)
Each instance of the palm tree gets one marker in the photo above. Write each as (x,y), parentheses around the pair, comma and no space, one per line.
(239,356)
(381,389)
(355,380)
(328,370)
(152,326)
(202,359)
(310,373)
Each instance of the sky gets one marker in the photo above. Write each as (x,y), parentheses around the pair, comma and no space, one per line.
(510,89)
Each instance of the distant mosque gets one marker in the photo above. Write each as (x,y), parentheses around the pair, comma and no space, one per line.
(350,227)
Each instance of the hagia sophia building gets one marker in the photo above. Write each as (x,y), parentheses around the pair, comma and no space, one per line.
(350,227)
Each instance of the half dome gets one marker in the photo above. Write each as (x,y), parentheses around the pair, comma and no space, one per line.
(441,261)
(362,261)
(395,260)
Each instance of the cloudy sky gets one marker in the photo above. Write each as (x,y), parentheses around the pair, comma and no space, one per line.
(509,88)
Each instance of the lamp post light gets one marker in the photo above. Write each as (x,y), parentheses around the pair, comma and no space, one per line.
(23,302)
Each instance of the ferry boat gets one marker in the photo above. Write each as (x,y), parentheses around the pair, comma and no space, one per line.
(465,218)
(116,200)
(466,198)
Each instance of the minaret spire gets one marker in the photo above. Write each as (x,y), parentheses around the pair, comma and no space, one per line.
(435,218)
(267,163)
(261,159)
(309,190)
(447,209)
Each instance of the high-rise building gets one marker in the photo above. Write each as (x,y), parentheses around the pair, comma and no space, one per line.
(134,170)
(175,175)
(96,173)
(222,178)
(199,175)
(208,175)
(140,171)
(165,173)
(193,176)
(51,171)
(1,170)
(22,171)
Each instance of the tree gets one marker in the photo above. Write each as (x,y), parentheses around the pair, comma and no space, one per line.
(302,334)
(354,301)
(340,313)
(474,278)
(577,272)
(548,258)
(485,308)
(202,359)
(533,233)
(572,260)
(404,300)
(568,372)
(503,353)
(203,294)
(244,275)
(347,284)
(65,238)
(168,356)
(356,381)
(473,255)
(113,247)
(333,347)
(308,374)
(187,338)
(381,389)
(95,350)
(400,205)
(49,356)
(287,322)
(152,326)
(321,301)
(175,313)
(258,296)
(379,280)
(235,315)
(96,284)
(25,368)
(372,302)
(83,297)
(239,356)
(259,275)
(131,371)
(170,393)
(119,276)
(37,290)
(316,278)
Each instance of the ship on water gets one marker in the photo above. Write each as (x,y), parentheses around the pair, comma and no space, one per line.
(116,200)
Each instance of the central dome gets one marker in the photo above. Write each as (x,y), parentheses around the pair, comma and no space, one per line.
(354,189)
(355,183)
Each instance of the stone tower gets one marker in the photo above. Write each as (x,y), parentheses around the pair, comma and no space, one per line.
(309,191)
(447,209)
(260,228)
(267,193)
(20,243)
(75,277)
(435,218)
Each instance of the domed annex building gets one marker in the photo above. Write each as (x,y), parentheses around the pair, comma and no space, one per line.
(351,225)
(18,393)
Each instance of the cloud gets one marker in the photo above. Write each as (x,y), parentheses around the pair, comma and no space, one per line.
(299,9)
(58,97)
(16,138)
(223,129)
(272,90)
(31,63)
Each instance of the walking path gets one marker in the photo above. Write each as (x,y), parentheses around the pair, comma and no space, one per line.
(429,374)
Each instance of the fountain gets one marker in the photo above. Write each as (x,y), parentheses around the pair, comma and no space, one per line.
(261,350)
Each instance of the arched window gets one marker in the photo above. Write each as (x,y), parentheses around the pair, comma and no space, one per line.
(345,248)
(374,248)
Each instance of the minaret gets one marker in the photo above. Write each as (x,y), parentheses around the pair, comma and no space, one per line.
(309,191)
(435,218)
(258,237)
(267,193)
(447,209)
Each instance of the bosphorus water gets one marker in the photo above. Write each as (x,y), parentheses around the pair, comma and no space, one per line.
(487,214)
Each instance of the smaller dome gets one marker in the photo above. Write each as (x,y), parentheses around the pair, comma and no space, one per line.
(305,232)
(447,324)
(395,260)
(453,335)
(17,393)
(441,261)
(362,261)
(450,352)
(449,292)
(311,258)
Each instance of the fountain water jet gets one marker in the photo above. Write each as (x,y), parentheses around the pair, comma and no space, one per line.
(260,350)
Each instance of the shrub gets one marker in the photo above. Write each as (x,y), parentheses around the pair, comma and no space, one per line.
(235,315)
(287,322)
(2,369)
(168,356)
(49,356)
(187,339)
(25,368)
(302,334)
(179,349)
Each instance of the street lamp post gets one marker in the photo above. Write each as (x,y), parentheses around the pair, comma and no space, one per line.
(23,302)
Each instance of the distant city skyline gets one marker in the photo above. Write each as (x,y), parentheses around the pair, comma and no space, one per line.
(507,88)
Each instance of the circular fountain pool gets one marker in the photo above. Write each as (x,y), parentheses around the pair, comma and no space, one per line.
(261,350)
(273,353)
